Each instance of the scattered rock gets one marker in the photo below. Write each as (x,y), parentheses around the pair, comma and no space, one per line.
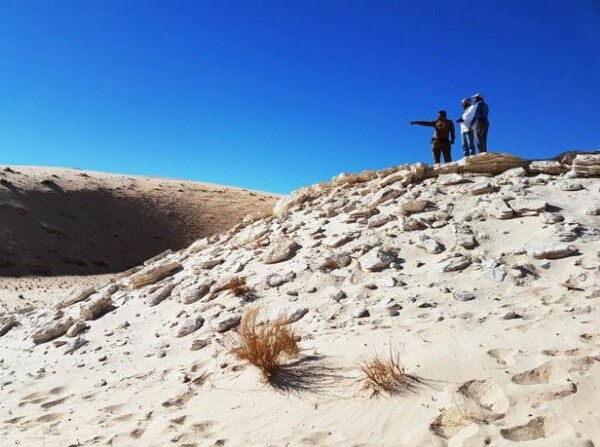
(227,322)
(464,295)
(297,315)
(281,250)
(454,264)
(430,245)
(7,322)
(550,251)
(377,259)
(500,210)
(159,295)
(97,307)
(52,329)
(153,274)
(75,296)
(190,325)
(195,292)
(77,328)
(199,344)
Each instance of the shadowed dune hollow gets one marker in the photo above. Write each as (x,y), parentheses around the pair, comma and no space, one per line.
(72,222)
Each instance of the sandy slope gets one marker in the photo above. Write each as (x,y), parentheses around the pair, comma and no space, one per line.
(445,268)
(65,221)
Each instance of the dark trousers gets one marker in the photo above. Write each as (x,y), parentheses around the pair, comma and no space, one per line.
(441,147)
(481,132)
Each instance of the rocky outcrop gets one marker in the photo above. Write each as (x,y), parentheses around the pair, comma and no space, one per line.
(586,166)
(52,329)
(153,274)
(7,322)
(97,307)
(486,163)
(75,296)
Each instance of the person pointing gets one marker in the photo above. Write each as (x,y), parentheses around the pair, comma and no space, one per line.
(443,136)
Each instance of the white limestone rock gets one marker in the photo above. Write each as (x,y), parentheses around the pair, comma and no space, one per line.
(500,210)
(190,325)
(454,264)
(280,250)
(7,322)
(377,259)
(160,294)
(430,245)
(77,295)
(153,274)
(529,207)
(52,329)
(585,165)
(550,251)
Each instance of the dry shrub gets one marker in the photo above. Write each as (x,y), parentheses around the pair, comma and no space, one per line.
(266,344)
(238,286)
(384,375)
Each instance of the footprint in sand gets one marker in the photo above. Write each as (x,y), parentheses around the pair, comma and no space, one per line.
(544,427)
(552,371)
(575,352)
(557,370)
(505,357)
(477,402)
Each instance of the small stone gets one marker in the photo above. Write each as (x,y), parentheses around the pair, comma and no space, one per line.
(199,344)
(297,315)
(511,315)
(339,295)
(363,313)
(225,323)
(190,325)
(464,295)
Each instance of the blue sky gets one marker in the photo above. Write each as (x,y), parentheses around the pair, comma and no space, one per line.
(275,95)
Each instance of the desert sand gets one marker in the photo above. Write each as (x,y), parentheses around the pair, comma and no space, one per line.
(483,275)
(56,223)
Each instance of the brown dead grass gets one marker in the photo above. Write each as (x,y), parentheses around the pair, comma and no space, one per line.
(384,375)
(238,286)
(266,344)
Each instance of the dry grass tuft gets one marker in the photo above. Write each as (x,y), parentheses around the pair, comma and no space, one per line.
(238,286)
(385,375)
(266,344)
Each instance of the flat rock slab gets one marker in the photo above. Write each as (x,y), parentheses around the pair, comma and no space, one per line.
(500,210)
(153,274)
(550,251)
(528,206)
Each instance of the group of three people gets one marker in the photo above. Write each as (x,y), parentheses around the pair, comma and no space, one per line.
(474,127)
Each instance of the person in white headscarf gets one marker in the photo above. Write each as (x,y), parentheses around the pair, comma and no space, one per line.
(466,132)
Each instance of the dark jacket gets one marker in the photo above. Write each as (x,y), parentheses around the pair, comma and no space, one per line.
(443,128)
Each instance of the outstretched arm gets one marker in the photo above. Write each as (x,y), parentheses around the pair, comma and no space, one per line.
(423,123)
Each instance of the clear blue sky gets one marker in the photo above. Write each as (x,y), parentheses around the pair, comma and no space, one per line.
(275,95)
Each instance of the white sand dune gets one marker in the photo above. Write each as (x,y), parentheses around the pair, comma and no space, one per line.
(484,275)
